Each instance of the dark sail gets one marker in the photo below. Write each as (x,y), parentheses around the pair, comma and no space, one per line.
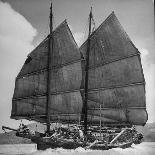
(116,85)
(29,100)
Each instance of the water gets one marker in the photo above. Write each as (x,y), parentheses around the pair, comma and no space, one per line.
(17,149)
(146,148)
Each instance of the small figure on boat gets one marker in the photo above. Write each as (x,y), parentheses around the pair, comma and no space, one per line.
(78,133)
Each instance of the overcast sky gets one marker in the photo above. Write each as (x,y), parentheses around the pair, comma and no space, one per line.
(24,24)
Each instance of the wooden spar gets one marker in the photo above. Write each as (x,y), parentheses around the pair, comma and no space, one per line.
(117,136)
(86,75)
(50,48)
(8,128)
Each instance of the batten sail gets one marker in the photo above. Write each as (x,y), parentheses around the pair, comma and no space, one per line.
(116,85)
(29,100)
(115,81)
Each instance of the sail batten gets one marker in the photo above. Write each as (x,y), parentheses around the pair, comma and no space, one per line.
(115,108)
(113,87)
(45,69)
(58,111)
(81,89)
(113,61)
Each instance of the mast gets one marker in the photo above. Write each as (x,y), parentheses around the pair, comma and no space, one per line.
(86,75)
(50,48)
(100,120)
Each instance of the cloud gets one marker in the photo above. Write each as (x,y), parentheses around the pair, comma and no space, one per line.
(146,47)
(150,91)
(79,38)
(16,36)
(144,52)
(149,74)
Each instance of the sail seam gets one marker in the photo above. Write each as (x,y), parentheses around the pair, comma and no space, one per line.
(77,90)
(115,60)
(126,85)
(45,69)
(116,108)
(72,62)
(41,106)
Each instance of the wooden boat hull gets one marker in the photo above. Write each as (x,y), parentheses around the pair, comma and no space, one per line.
(43,144)
(122,140)
(65,145)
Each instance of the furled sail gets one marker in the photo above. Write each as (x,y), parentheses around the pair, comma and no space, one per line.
(30,94)
(116,85)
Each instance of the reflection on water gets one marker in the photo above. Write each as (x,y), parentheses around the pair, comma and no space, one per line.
(146,148)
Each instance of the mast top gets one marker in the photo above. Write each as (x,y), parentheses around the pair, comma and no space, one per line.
(91,15)
(51,7)
(51,19)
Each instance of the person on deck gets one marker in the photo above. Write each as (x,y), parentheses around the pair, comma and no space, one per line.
(81,135)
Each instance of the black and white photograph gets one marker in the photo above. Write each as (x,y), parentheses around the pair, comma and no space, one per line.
(77,77)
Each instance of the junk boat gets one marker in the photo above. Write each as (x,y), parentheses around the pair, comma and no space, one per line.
(96,92)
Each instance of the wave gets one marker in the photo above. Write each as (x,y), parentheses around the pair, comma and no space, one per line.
(141,149)
(145,148)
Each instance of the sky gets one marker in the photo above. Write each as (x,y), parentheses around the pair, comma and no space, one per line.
(25,23)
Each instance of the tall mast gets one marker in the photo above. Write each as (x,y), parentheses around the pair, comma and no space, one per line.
(50,48)
(86,75)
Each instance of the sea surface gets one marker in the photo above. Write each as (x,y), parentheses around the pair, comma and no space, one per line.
(145,148)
